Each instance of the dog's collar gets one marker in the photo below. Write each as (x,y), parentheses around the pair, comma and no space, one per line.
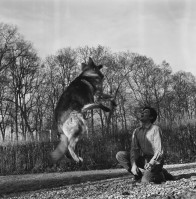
(89,84)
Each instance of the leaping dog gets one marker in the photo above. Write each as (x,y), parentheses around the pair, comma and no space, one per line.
(75,100)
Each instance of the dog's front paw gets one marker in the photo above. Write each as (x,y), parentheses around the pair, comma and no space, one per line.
(80,159)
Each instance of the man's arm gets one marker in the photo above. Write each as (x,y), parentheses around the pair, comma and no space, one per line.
(157,147)
(135,149)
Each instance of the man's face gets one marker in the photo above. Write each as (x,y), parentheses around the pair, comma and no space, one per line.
(145,115)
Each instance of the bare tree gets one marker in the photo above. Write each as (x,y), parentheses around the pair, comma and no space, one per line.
(8,37)
(183,86)
(5,105)
(18,63)
(23,75)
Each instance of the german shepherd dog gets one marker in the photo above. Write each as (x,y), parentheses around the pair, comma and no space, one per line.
(69,113)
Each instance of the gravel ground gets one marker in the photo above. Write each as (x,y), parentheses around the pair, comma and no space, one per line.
(183,187)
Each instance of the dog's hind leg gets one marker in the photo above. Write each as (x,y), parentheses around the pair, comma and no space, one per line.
(61,149)
(72,143)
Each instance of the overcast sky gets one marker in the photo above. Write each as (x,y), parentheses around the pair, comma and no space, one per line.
(160,29)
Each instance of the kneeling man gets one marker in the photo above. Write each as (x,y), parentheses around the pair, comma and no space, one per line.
(145,160)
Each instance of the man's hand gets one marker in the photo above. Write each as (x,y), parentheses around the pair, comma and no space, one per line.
(135,169)
(148,166)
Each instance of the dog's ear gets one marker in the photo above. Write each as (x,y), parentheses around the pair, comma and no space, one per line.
(90,61)
(84,66)
(100,66)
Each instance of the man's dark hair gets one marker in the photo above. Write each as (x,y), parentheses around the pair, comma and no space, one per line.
(153,113)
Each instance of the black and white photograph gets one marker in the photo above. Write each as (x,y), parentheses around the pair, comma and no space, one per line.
(97,99)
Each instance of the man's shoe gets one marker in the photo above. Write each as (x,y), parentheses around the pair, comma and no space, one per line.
(168,176)
(136,180)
